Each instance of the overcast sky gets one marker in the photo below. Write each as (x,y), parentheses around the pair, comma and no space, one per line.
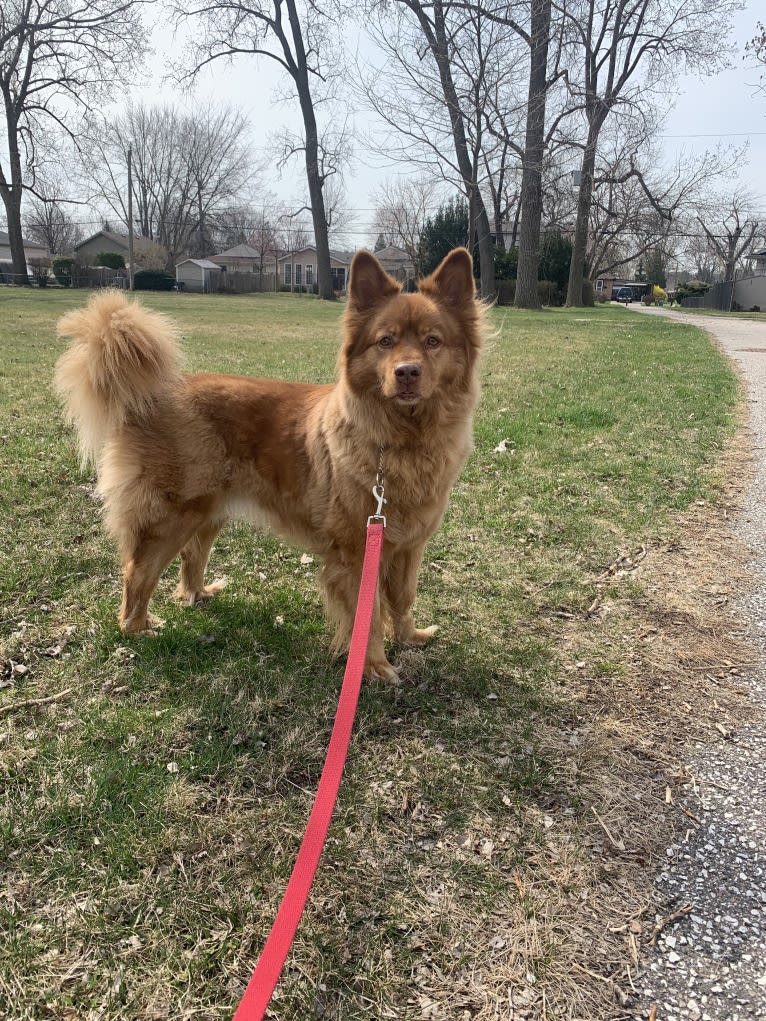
(725,109)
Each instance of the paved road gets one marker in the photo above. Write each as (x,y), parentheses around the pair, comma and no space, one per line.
(711,966)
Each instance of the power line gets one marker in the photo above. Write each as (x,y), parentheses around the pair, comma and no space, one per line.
(720,134)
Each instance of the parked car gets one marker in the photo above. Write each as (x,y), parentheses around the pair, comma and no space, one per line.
(623,294)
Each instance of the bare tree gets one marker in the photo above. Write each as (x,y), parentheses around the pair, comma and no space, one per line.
(340,218)
(642,203)
(298,35)
(620,54)
(534,150)
(451,58)
(46,220)
(56,56)
(220,167)
(402,207)
(264,238)
(756,47)
(188,169)
(729,228)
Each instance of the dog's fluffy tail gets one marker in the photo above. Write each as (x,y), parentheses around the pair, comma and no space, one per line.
(122,356)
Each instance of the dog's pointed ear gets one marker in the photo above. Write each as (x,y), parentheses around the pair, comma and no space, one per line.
(453,278)
(368,282)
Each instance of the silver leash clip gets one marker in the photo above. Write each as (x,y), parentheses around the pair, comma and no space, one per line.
(377,492)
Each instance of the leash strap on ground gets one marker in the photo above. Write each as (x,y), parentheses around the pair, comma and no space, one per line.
(277,946)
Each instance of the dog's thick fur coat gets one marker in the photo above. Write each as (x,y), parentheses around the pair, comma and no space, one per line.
(178,455)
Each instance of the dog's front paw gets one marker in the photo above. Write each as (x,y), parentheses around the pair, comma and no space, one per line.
(381,669)
(146,628)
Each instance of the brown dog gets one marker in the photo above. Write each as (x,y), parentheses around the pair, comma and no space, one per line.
(178,455)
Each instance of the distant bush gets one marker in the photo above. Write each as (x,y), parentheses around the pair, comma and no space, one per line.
(41,269)
(506,263)
(153,280)
(549,293)
(62,270)
(111,259)
(555,257)
(695,289)
(506,292)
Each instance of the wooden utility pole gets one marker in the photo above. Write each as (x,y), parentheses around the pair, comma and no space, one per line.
(130,218)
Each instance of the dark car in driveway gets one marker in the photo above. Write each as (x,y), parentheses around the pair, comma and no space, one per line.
(623,294)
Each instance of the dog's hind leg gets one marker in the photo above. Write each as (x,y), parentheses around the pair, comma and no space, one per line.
(144,560)
(194,556)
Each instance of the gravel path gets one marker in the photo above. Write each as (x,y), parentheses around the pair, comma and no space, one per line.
(711,964)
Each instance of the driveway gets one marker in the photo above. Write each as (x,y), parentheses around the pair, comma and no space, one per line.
(711,964)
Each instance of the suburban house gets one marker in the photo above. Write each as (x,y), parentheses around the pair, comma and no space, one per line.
(298,269)
(243,259)
(758,262)
(606,284)
(199,275)
(396,262)
(31,249)
(108,241)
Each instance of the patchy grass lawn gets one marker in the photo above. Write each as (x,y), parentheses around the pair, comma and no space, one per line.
(501,809)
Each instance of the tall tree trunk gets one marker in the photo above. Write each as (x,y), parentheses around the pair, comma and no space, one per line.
(10,192)
(580,243)
(483,235)
(313,172)
(12,202)
(480,227)
(318,214)
(527,295)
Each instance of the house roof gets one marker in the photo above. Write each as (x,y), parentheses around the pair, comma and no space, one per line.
(392,253)
(238,252)
(5,240)
(757,255)
(202,263)
(120,240)
(337,256)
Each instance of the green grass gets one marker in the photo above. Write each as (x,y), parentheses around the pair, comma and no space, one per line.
(150,817)
(758,316)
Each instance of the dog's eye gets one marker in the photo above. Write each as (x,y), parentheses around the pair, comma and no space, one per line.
(433,342)
(386,342)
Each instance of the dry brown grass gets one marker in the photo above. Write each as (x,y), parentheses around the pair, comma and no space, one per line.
(680,634)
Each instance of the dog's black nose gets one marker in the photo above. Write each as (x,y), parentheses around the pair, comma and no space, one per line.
(407,371)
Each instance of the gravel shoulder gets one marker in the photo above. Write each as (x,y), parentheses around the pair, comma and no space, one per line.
(710,962)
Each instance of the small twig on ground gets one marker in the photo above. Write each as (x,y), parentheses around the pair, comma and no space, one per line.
(668,920)
(616,843)
(593,974)
(28,703)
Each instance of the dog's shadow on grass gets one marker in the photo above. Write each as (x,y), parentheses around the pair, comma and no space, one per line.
(248,671)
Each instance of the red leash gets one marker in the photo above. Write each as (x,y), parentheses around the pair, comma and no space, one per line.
(277,946)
